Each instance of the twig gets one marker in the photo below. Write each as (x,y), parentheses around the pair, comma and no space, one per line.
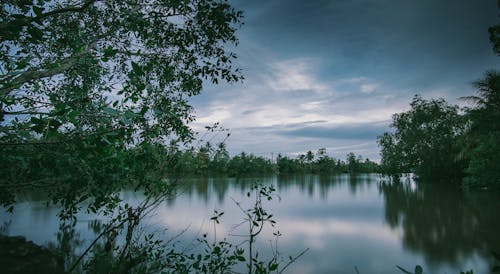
(293,260)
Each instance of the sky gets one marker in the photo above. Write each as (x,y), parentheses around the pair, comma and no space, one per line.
(330,73)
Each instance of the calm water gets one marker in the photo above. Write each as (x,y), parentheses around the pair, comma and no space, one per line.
(346,222)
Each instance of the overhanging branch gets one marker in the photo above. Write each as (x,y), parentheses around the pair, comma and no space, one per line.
(19,22)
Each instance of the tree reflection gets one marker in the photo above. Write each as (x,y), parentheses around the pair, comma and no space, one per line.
(322,185)
(438,222)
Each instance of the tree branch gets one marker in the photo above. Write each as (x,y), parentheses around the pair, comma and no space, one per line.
(23,113)
(19,22)
(31,75)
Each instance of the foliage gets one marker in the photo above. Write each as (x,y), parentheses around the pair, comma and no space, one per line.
(424,141)
(324,164)
(495,38)
(433,140)
(90,90)
(483,134)
(210,160)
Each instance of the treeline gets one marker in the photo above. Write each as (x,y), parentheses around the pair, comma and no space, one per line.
(215,160)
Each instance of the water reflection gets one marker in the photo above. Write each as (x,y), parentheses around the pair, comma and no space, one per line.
(441,222)
(307,184)
(346,220)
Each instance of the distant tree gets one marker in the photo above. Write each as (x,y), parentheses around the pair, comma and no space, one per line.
(352,163)
(309,156)
(425,140)
(220,159)
(286,165)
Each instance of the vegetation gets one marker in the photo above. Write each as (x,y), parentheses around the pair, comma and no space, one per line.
(438,140)
(324,164)
(90,94)
(90,91)
(482,140)
(94,99)
(208,160)
(435,139)
(425,141)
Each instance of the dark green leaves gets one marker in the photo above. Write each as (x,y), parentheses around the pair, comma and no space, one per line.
(94,88)
(136,68)
(425,140)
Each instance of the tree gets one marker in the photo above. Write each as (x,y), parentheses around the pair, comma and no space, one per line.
(220,160)
(495,37)
(425,140)
(482,138)
(124,61)
(352,163)
(90,88)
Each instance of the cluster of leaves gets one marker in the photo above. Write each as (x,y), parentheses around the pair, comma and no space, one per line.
(482,141)
(425,141)
(90,90)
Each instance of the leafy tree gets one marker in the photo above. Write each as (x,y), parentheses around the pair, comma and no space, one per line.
(90,90)
(324,164)
(352,163)
(220,159)
(425,140)
(483,133)
(309,156)
(495,37)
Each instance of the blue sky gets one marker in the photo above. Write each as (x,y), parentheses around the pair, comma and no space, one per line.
(330,73)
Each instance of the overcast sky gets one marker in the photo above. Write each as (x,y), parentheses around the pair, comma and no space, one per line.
(330,73)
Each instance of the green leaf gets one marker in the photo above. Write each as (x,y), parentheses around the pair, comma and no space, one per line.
(110,52)
(72,116)
(136,68)
(23,63)
(37,10)
(35,33)
(110,111)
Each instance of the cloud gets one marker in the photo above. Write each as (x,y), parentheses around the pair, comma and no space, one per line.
(368,88)
(266,118)
(294,74)
(365,131)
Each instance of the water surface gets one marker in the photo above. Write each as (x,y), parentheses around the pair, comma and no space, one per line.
(347,222)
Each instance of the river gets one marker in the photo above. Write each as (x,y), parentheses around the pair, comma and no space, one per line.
(359,223)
